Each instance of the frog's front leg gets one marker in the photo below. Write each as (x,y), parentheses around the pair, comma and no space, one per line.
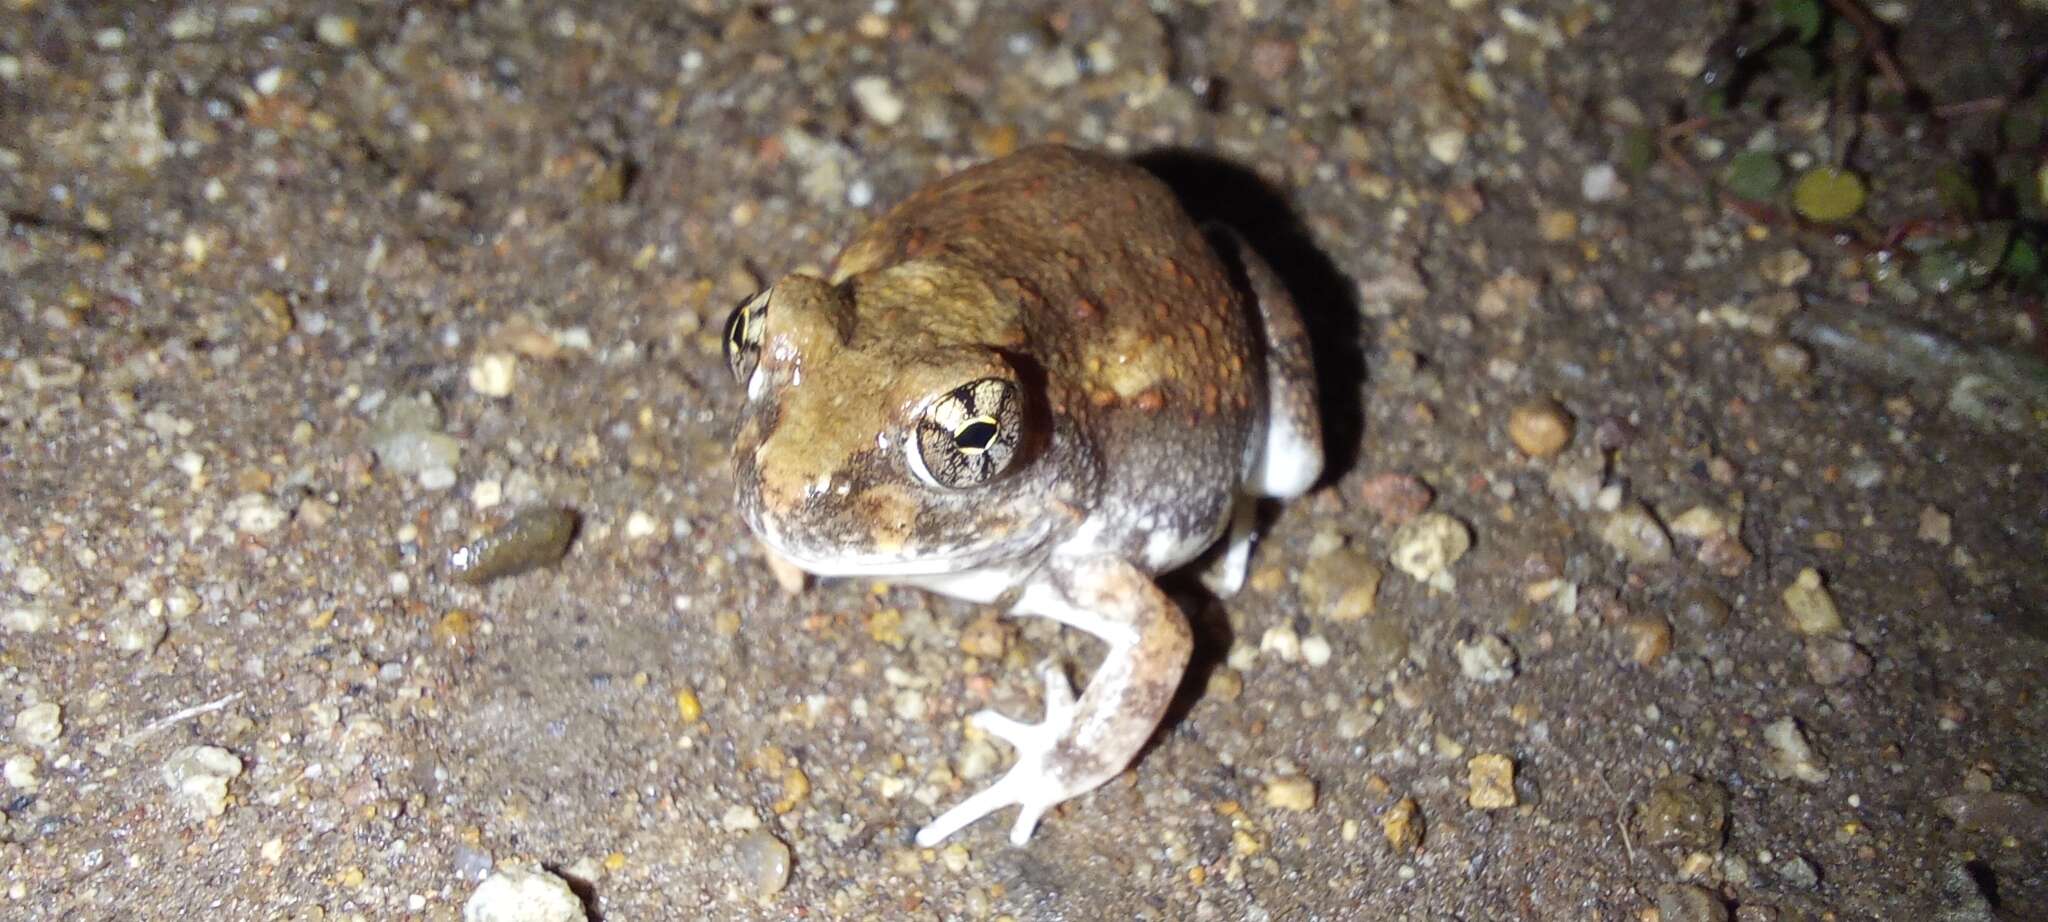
(1083,743)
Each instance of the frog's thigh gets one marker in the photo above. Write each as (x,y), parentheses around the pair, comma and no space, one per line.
(1291,457)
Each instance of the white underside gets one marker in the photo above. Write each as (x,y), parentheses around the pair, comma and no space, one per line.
(1290,463)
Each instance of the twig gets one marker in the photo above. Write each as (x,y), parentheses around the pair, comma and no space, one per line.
(179,717)
(1873,40)
(1971,107)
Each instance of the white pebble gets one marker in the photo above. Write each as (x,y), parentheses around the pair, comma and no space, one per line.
(437,478)
(257,514)
(640,525)
(39,724)
(19,771)
(1447,146)
(1282,642)
(1426,547)
(878,100)
(492,374)
(1488,659)
(1600,183)
(26,620)
(198,777)
(269,80)
(519,895)
(1315,650)
(32,579)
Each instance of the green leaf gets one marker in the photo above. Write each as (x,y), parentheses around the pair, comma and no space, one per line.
(1638,149)
(2023,260)
(1801,16)
(1940,271)
(1827,195)
(1754,175)
(1957,193)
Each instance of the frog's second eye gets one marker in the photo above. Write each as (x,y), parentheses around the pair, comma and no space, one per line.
(743,336)
(968,435)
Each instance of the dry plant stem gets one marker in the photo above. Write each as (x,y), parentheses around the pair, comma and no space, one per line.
(1868,30)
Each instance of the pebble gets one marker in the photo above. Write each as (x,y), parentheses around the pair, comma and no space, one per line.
(1402,825)
(1491,778)
(1315,651)
(1291,792)
(26,620)
(198,777)
(1427,546)
(878,100)
(39,724)
(407,438)
(1833,660)
(1799,872)
(536,537)
(1684,812)
(1645,639)
(1488,659)
(1811,607)
(19,771)
(493,374)
(521,895)
(2006,814)
(1637,535)
(762,862)
(1787,359)
(1342,585)
(32,579)
(1447,145)
(1935,527)
(1791,755)
(1282,642)
(439,477)
(1540,428)
(133,630)
(336,30)
(1785,268)
(1600,183)
(1688,903)
(257,514)
(1396,498)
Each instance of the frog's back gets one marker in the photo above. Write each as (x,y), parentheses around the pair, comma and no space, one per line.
(1142,332)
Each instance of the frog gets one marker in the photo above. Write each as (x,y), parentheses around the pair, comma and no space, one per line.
(1038,384)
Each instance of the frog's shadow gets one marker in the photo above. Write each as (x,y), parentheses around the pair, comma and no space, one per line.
(1217,191)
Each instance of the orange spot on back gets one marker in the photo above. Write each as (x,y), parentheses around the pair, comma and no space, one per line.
(1151,401)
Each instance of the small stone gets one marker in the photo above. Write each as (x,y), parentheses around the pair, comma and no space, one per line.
(1282,642)
(406,439)
(878,100)
(1402,825)
(1447,145)
(521,895)
(32,579)
(986,637)
(336,30)
(1688,903)
(1645,638)
(1291,792)
(1540,428)
(1935,526)
(1509,294)
(32,620)
(437,478)
(198,777)
(1427,546)
(1600,183)
(1833,660)
(135,630)
(1396,498)
(640,526)
(1791,756)
(39,724)
(1785,268)
(1799,872)
(1811,607)
(1342,585)
(1637,536)
(762,863)
(1492,781)
(1315,651)
(19,771)
(1788,360)
(1557,225)
(493,374)
(1488,659)
(1684,812)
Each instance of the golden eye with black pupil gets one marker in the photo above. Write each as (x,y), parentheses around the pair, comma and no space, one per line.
(968,435)
(743,336)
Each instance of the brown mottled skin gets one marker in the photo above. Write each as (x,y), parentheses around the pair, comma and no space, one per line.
(1149,387)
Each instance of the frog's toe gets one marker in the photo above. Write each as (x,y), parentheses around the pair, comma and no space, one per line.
(1035,784)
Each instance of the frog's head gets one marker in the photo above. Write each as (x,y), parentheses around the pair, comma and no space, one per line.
(885,431)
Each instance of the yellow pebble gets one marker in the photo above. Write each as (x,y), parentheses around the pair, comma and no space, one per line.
(688,707)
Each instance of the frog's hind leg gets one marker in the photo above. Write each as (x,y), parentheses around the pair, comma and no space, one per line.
(1290,457)
(1083,741)
(1286,455)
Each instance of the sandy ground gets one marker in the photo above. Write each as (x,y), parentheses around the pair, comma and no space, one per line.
(297,298)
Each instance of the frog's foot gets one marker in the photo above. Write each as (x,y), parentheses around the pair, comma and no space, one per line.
(1035,783)
(1226,572)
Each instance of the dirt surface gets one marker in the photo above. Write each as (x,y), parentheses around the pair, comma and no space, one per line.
(244,239)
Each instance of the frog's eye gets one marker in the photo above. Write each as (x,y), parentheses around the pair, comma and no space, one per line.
(968,435)
(743,335)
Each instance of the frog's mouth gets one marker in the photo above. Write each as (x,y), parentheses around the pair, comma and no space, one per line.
(932,562)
